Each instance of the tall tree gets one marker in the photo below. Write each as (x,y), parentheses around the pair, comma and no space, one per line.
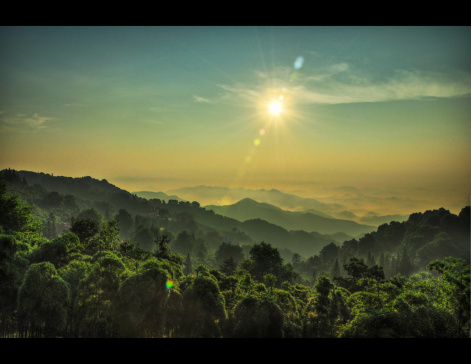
(204,307)
(266,259)
(228,267)
(42,301)
(126,223)
(188,269)
(15,216)
(336,269)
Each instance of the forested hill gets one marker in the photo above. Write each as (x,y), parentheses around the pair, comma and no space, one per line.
(129,276)
(67,197)
(83,187)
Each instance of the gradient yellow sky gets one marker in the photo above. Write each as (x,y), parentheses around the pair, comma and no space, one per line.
(383,109)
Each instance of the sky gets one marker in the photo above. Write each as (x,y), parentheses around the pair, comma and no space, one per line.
(372,114)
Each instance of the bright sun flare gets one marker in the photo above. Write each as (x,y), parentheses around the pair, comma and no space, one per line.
(275,107)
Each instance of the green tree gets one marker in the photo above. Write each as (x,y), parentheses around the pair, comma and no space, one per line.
(96,292)
(329,253)
(258,317)
(188,269)
(456,272)
(126,223)
(228,267)
(49,230)
(73,273)
(92,214)
(42,301)
(59,252)
(108,236)
(226,251)
(296,259)
(144,238)
(204,308)
(336,269)
(87,230)
(15,216)
(321,305)
(140,304)
(12,269)
(266,259)
(184,243)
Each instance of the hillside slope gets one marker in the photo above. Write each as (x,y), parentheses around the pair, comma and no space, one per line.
(247,209)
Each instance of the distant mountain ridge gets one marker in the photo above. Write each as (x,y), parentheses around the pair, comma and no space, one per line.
(221,196)
(247,209)
(207,195)
(157,195)
(89,191)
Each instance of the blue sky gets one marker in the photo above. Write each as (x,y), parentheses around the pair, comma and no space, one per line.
(159,107)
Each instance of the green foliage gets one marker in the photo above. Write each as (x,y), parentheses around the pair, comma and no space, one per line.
(188,266)
(93,303)
(12,269)
(405,321)
(141,299)
(228,267)
(184,243)
(86,283)
(144,238)
(356,271)
(92,214)
(228,251)
(265,259)
(86,230)
(441,246)
(59,252)
(15,216)
(125,222)
(456,272)
(108,237)
(204,307)
(132,251)
(258,317)
(42,301)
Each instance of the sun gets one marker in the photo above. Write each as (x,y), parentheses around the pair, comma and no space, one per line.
(275,107)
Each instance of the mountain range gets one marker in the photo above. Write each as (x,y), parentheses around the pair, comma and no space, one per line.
(208,195)
(222,196)
(149,195)
(305,232)
(247,209)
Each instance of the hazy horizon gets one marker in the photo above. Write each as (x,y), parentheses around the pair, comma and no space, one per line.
(375,118)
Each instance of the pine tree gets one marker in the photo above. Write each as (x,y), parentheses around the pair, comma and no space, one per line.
(49,230)
(188,269)
(228,267)
(404,266)
(314,276)
(370,260)
(336,269)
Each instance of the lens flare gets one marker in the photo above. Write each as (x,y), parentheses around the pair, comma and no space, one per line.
(169,284)
(298,63)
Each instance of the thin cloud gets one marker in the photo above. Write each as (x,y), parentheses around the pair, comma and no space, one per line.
(201,99)
(25,123)
(404,86)
(156,122)
(38,122)
(339,85)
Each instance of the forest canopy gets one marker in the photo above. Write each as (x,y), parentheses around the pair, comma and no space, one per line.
(81,262)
